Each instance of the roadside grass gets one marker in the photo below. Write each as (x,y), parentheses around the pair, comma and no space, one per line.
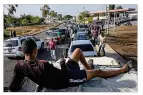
(28,30)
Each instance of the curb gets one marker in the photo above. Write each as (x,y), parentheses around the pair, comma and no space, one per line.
(112,53)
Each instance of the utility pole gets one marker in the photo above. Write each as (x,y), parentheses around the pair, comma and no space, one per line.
(107,19)
(115,19)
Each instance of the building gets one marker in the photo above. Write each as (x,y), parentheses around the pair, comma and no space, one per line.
(119,13)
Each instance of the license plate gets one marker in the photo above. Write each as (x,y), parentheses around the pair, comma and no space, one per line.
(10,50)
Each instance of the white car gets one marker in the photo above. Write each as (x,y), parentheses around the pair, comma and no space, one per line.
(13,46)
(86,47)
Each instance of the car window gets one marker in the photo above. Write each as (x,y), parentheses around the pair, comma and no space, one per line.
(83,47)
(80,37)
(81,26)
(62,31)
(11,43)
(80,30)
(85,26)
(35,39)
(53,34)
(22,40)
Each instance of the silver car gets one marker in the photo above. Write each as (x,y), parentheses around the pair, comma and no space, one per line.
(86,47)
(13,46)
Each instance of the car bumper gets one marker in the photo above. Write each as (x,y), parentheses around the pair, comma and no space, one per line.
(19,54)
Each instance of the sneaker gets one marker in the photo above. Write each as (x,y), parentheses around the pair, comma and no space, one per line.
(129,65)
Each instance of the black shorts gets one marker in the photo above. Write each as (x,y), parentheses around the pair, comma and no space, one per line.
(76,76)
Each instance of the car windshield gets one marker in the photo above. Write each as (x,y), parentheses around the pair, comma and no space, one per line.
(81,26)
(11,43)
(83,47)
(53,34)
(80,37)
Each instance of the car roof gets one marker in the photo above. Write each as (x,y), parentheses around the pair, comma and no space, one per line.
(82,32)
(17,38)
(80,42)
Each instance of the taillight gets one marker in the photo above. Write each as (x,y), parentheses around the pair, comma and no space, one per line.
(20,49)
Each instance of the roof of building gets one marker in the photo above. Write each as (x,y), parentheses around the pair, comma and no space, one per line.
(116,10)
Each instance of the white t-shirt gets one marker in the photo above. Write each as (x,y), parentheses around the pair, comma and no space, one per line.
(73,35)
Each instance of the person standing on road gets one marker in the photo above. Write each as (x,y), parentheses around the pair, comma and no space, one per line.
(46,75)
(14,33)
(52,47)
(11,34)
(101,40)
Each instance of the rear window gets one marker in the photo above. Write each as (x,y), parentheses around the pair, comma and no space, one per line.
(81,26)
(80,37)
(85,26)
(62,31)
(80,30)
(11,43)
(53,34)
(84,47)
(22,40)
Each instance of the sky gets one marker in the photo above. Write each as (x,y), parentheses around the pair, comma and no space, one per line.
(64,9)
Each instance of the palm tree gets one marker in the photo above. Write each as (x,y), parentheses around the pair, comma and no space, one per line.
(111,7)
(45,11)
(11,8)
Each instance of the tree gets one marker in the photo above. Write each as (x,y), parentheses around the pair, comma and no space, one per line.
(35,20)
(11,8)
(53,14)
(24,22)
(59,16)
(111,7)
(84,14)
(45,11)
(8,20)
(67,17)
(80,17)
(119,7)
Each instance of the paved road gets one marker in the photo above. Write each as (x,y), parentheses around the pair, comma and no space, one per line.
(43,55)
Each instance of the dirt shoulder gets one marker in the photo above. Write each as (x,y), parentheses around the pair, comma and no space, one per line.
(30,30)
(124,42)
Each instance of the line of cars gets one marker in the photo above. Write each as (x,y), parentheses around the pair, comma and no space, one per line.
(81,40)
(53,33)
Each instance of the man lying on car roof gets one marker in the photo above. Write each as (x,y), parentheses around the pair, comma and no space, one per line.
(46,75)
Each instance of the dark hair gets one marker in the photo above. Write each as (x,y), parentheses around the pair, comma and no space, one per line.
(28,46)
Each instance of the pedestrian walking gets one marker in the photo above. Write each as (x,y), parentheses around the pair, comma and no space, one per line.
(52,48)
